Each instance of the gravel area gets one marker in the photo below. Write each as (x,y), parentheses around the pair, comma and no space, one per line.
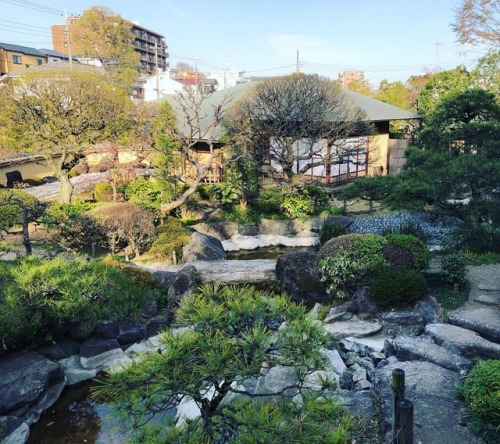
(436,229)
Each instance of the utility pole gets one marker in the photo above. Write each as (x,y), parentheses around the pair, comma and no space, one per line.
(438,44)
(297,67)
(68,39)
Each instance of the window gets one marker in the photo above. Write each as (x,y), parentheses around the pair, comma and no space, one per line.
(39,61)
(17,60)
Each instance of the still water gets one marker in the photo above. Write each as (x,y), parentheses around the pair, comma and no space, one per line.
(76,419)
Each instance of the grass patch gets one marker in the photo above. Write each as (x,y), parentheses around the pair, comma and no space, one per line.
(489,258)
(445,294)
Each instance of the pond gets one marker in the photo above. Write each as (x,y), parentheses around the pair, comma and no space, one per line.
(77,419)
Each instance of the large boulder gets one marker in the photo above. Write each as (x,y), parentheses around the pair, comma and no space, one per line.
(298,276)
(431,388)
(402,322)
(29,384)
(219,230)
(202,247)
(276,227)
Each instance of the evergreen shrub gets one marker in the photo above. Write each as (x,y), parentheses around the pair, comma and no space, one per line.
(170,237)
(397,288)
(481,391)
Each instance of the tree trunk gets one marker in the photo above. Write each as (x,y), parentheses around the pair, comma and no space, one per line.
(66,188)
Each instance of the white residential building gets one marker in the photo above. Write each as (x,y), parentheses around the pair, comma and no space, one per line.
(160,85)
(227,78)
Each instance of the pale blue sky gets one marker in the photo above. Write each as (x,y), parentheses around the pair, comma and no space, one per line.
(387,39)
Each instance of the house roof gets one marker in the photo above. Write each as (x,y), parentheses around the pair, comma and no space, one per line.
(52,53)
(56,66)
(376,110)
(21,49)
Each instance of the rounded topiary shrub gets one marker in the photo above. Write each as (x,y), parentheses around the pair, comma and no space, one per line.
(398,244)
(397,288)
(346,261)
(170,237)
(103,192)
(481,391)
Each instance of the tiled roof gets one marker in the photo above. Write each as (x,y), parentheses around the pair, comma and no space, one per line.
(21,49)
(376,110)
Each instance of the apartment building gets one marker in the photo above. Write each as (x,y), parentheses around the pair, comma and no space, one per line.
(15,58)
(149,45)
(346,77)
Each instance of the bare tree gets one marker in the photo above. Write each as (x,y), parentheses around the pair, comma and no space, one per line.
(195,143)
(298,113)
(477,22)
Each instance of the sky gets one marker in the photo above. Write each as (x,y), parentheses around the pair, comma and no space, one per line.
(387,39)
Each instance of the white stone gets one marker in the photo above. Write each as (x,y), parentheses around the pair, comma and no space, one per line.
(374,343)
(118,365)
(314,380)
(335,362)
(354,327)
(99,361)
(74,371)
(240,242)
(138,349)
(279,380)
(187,409)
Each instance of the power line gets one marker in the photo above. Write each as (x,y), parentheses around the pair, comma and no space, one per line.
(34,6)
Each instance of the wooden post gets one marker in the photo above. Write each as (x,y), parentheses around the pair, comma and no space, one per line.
(405,420)
(398,394)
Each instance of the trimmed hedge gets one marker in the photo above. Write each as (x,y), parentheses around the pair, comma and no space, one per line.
(397,288)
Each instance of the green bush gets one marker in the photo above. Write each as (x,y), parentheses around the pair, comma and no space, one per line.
(347,260)
(149,193)
(225,193)
(397,288)
(11,207)
(170,237)
(481,391)
(40,299)
(454,268)
(419,252)
(331,228)
(103,192)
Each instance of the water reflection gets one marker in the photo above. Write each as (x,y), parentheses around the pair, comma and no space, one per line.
(76,419)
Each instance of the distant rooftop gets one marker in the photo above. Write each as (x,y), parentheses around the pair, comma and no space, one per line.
(21,49)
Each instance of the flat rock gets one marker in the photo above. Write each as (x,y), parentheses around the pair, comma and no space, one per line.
(422,348)
(488,287)
(374,343)
(355,327)
(483,320)
(240,242)
(431,388)
(465,342)
(488,299)
(235,272)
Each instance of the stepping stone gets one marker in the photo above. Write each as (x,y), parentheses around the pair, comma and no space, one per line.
(484,320)
(486,287)
(465,342)
(488,299)
(437,411)
(355,327)
(410,348)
